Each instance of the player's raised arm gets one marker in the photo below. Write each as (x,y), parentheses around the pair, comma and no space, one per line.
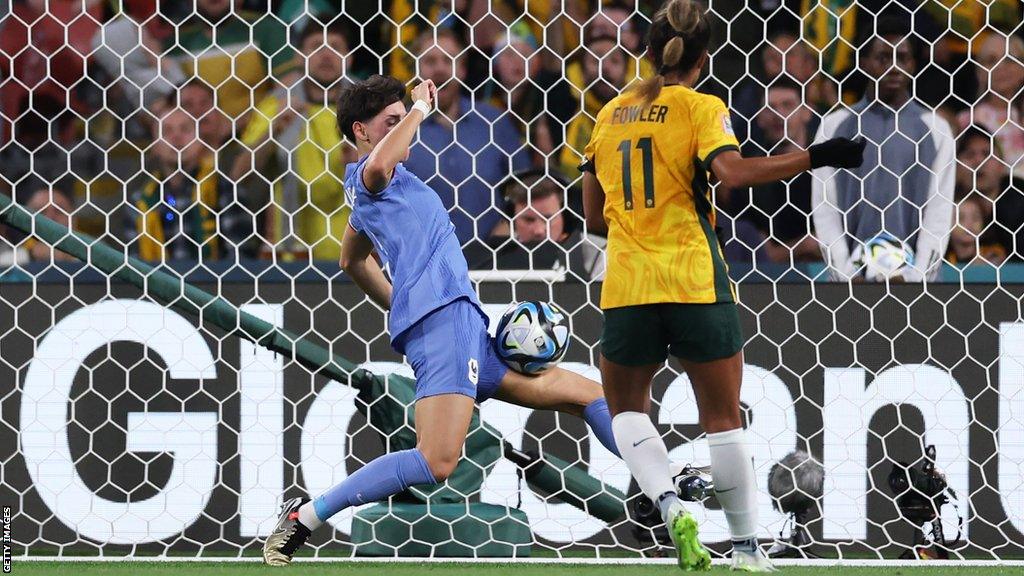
(394,147)
(735,171)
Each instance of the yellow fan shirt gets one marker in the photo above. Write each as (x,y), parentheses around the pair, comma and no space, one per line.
(319,166)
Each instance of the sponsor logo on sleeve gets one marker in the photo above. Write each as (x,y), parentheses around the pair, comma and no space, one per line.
(727,124)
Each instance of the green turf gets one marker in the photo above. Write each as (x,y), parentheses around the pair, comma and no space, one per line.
(25,568)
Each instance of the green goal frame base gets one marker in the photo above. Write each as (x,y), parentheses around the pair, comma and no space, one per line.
(459,530)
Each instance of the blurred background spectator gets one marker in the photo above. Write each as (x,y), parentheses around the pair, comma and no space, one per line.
(786,122)
(183,207)
(1000,76)
(43,44)
(966,19)
(533,97)
(465,148)
(416,19)
(979,169)
(982,175)
(835,28)
(58,206)
(780,212)
(782,55)
(906,185)
(296,146)
(243,54)
(520,85)
(973,236)
(45,90)
(618,20)
(538,232)
(41,137)
(602,68)
(199,99)
(624,21)
(129,48)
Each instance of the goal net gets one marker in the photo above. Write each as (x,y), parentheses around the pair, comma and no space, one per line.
(881,306)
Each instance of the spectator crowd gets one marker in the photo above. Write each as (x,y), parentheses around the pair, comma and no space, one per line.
(206,130)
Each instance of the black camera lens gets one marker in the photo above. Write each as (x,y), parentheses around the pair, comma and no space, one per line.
(898,479)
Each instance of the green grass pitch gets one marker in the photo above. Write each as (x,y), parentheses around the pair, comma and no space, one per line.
(29,568)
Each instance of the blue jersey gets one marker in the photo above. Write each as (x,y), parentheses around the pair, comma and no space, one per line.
(416,240)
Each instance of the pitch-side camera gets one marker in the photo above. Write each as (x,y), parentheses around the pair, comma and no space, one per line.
(920,495)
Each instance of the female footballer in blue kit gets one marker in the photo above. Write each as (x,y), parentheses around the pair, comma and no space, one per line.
(435,317)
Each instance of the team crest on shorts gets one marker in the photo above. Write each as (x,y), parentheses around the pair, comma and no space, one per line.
(474,371)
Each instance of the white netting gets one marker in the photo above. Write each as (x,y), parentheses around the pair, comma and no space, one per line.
(204,138)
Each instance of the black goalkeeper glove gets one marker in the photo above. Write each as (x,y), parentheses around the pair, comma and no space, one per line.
(838,153)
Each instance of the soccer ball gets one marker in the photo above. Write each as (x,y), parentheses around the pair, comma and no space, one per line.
(882,257)
(532,336)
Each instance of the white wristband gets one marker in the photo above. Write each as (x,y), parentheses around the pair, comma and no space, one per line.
(422,107)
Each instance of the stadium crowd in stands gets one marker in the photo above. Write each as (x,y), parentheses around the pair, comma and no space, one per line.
(207,130)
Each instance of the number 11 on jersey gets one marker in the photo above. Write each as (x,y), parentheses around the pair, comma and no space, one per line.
(645,145)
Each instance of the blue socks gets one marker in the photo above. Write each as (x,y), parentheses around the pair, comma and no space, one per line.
(394,472)
(600,421)
(381,478)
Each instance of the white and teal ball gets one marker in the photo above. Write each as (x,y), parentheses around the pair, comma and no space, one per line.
(532,336)
(882,257)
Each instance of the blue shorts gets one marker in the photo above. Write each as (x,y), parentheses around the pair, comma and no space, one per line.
(451,353)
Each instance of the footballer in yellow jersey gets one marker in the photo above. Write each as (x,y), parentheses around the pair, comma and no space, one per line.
(652,159)
(652,155)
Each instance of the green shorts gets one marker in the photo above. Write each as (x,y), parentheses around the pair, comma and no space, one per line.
(648,333)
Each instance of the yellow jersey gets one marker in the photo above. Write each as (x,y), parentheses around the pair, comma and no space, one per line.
(652,161)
